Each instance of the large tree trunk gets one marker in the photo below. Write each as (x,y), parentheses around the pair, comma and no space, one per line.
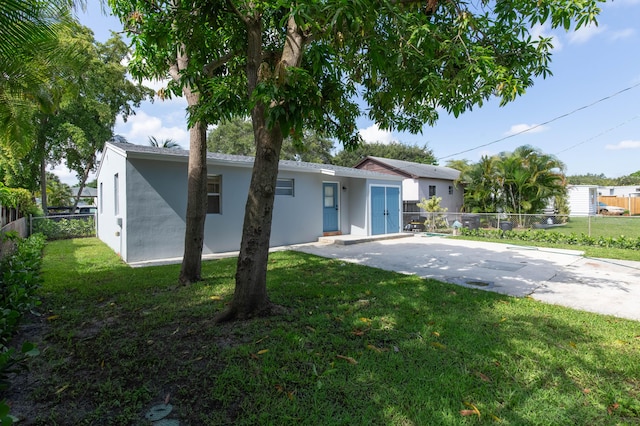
(250,298)
(196,205)
(196,214)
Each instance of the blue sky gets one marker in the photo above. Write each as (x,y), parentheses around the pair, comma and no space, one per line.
(588,66)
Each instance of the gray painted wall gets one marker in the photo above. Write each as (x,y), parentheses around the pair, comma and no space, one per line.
(153,197)
(453,202)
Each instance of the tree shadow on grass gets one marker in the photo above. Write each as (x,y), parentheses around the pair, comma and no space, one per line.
(358,346)
(426,350)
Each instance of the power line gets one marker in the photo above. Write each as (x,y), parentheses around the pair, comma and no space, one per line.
(545,123)
(598,135)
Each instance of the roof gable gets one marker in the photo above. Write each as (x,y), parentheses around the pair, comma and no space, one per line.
(413,170)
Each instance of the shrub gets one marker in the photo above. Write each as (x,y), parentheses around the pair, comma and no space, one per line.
(19,278)
(539,235)
(60,229)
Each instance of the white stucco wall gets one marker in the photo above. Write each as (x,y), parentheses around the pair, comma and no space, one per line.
(358,208)
(411,190)
(583,200)
(109,227)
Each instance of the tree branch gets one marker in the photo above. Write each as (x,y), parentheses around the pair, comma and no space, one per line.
(214,65)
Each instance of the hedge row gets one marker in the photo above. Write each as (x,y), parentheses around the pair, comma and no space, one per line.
(19,279)
(59,229)
(538,235)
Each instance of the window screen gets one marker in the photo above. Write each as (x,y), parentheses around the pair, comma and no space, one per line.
(214,186)
(284,187)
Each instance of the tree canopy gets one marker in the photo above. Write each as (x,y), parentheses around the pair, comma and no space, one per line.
(310,64)
(395,150)
(31,57)
(236,137)
(164,143)
(521,182)
(602,180)
(85,122)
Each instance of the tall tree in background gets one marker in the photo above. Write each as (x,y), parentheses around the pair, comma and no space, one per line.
(481,188)
(529,179)
(28,50)
(394,150)
(36,78)
(236,137)
(460,165)
(519,182)
(602,180)
(58,193)
(164,143)
(85,122)
(304,65)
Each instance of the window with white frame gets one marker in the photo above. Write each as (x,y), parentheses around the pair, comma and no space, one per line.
(101,197)
(432,191)
(214,187)
(285,187)
(450,190)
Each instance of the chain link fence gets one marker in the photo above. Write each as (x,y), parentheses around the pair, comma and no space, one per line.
(58,227)
(596,225)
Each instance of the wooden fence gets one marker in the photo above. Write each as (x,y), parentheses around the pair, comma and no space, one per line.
(19,226)
(632,204)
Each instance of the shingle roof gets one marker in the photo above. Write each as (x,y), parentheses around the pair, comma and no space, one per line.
(419,170)
(241,160)
(86,191)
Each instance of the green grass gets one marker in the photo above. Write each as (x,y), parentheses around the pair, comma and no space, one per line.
(602,226)
(595,226)
(357,346)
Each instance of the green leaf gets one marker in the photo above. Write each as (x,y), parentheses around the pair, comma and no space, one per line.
(29,349)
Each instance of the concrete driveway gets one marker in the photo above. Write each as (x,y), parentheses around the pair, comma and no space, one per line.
(562,277)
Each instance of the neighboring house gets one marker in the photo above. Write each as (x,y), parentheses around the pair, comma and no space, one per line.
(583,200)
(87,192)
(619,191)
(627,197)
(420,181)
(142,201)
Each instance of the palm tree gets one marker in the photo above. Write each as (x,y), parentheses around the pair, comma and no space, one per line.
(530,179)
(482,190)
(28,43)
(58,193)
(522,182)
(165,143)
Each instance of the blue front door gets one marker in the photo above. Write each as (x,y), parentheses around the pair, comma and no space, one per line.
(378,206)
(329,207)
(393,209)
(385,210)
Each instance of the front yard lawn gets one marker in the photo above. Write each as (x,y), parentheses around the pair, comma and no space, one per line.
(356,346)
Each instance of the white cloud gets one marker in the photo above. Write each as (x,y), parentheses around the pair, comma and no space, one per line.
(628,144)
(155,84)
(522,128)
(584,34)
(544,31)
(373,134)
(65,175)
(622,34)
(141,126)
